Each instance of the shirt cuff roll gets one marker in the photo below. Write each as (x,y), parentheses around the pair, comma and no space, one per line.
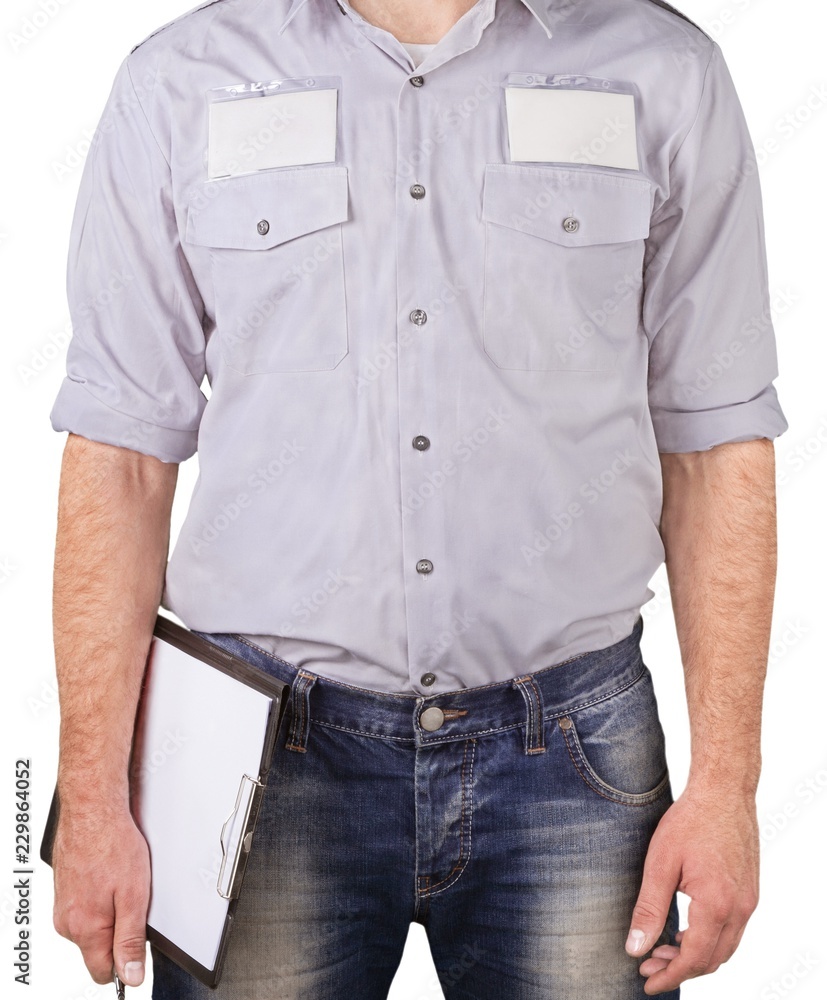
(700,430)
(78,410)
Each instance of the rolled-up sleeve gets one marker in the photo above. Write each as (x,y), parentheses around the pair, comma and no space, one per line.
(135,361)
(706,302)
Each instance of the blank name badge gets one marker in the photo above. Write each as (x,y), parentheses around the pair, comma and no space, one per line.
(570,120)
(255,127)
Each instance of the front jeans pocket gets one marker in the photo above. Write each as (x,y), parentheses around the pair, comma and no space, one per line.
(617,746)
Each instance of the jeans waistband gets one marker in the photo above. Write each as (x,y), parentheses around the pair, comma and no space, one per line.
(527,700)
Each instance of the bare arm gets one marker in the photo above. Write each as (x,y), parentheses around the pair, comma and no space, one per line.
(112,542)
(719,532)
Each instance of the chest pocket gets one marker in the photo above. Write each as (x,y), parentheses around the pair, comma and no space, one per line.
(563,259)
(275,241)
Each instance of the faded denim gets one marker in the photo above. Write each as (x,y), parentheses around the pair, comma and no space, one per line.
(515,834)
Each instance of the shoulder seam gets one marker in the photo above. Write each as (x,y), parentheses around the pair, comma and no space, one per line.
(680,14)
(144,114)
(152,34)
(714,48)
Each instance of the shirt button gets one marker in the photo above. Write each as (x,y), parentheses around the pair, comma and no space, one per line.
(432,718)
(424,566)
(571,225)
(421,443)
(263,227)
(417,81)
(419,316)
(417,191)
(428,679)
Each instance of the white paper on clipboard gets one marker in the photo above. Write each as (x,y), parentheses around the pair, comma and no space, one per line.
(199,730)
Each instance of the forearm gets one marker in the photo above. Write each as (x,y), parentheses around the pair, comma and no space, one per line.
(110,557)
(719,532)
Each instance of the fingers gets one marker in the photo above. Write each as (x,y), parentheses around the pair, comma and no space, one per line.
(130,949)
(726,946)
(95,944)
(695,955)
(115,942)
(101,903)
(129,945)
(695,962)
(661,874)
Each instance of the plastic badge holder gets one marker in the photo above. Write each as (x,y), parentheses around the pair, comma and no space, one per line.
(263,126)
(592,148)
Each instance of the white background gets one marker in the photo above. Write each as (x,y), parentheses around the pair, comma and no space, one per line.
(53,90)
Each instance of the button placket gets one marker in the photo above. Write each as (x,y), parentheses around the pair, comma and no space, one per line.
(419,332)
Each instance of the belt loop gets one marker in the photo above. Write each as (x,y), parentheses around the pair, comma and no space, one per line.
(300,722)
(534,733)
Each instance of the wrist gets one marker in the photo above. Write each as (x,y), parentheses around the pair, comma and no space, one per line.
(717,782)
(87,795)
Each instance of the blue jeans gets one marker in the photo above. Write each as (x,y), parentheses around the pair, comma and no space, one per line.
(511,821)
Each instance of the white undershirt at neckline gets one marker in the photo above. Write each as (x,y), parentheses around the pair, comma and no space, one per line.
(418,50)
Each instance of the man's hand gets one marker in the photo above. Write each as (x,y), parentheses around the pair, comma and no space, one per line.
(102,879)
(706,845)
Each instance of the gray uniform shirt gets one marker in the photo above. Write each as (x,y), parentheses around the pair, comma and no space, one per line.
(449,315)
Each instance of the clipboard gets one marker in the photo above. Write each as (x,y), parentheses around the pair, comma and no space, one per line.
(205,731)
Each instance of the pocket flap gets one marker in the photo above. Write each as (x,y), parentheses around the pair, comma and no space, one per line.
(228,212)
(606,208)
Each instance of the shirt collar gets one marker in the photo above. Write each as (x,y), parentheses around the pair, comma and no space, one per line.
(539,8)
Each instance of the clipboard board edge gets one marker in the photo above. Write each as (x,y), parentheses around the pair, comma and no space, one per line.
(279,691)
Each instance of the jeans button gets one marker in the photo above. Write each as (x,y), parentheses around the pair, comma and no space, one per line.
(431,719)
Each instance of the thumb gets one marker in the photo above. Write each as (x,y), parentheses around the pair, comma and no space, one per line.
(660,879)
(129,947)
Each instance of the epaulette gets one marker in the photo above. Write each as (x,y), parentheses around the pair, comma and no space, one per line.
(679,13)
(175,20)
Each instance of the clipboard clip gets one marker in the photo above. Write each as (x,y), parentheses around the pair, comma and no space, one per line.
(234,836)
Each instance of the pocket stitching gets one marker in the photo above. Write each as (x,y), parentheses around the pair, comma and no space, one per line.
(601,787)
(597,783)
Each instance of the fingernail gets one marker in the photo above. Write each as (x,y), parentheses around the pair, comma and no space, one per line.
(133,973)
(635,941)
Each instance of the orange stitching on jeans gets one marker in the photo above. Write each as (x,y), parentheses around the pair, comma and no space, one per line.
(298,734)
(462,862)
(539,731)
(534,739)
